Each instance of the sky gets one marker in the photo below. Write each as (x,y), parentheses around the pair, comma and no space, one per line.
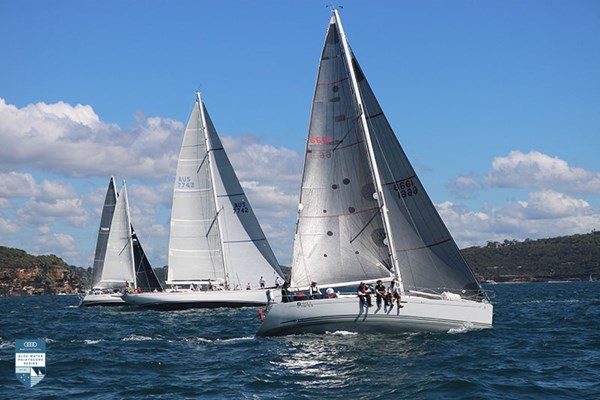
(496,103)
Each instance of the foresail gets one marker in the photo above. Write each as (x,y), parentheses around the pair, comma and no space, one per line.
(108,210)
(144,274)
(194,241)
(339,232)
(118,264)
(246,251)
(428,257)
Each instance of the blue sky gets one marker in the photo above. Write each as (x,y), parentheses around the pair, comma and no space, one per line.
(496,103)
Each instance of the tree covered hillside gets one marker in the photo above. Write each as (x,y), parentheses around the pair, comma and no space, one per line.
(562,258)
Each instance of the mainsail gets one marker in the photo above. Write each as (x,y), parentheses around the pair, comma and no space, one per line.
(110,201)
(214,232)
(363,213)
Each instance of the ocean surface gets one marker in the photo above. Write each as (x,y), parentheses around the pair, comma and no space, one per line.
(545,344)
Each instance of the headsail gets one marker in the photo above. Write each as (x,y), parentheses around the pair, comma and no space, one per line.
(118,264)
(108,210)
(350,140)
(145,277)
(214,232)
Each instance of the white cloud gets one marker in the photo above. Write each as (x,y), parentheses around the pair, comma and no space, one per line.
(60,244)
(543,214)
(15,184)
(8,227)
(37,211)
(540,171)
(464,187)
(72,141)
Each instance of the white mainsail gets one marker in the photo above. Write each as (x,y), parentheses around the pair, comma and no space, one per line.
(214,232)
(364,214)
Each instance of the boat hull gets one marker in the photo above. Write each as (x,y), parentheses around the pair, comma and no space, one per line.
(103,299)
(347,314)
(202,299)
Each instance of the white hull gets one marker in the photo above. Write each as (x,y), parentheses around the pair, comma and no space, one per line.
(346,314)
(201,299)
(104,299)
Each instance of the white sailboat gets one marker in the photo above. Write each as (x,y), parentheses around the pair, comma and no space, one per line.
(119,260)
(218,252)
(365,216)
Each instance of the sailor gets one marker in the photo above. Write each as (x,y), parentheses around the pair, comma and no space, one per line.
(248,287)
(277,282)
(286,296)
(262,282)
(394,293)
(364,294)
(313,291)
(380,293)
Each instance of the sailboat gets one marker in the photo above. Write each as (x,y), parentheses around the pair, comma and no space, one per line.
(218,253)
(119,262)
(364,216)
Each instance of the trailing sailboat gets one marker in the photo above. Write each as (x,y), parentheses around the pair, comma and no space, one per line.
(364,216)
(218,252)
(119,262)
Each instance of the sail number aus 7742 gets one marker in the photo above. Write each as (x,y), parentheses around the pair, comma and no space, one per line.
(240,207)
(184,182)
(405,188)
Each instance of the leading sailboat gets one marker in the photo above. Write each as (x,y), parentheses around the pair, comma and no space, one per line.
(218,253)
(119,261)
(364,216)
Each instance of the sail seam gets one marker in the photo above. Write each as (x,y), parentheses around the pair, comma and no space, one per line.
(333,82)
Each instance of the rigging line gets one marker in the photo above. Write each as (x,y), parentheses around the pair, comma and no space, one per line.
(347,133)
(368,223)
(123,249)
(213,221)
(202,163)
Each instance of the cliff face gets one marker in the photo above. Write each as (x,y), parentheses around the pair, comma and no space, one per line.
(44,279)
(23,274)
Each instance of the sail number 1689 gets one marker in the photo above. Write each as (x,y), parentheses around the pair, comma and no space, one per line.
(405,188)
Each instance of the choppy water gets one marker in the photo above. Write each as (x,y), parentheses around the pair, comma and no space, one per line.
(545,344)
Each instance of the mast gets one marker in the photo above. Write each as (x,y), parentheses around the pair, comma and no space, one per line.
(211,162)
(373,161)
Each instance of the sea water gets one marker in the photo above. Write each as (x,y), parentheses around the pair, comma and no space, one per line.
(545,344)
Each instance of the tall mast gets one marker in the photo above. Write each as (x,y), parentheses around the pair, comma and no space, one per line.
(212,165)
(377,177)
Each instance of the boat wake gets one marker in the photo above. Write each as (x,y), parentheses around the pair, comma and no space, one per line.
(341,333)
(467,327)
